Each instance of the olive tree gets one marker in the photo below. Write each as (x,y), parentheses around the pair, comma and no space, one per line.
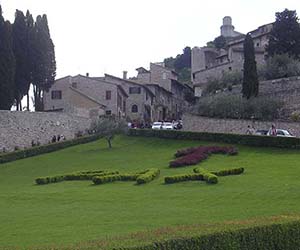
(108,126)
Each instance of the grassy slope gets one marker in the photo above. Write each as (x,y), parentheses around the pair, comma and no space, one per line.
(70,212)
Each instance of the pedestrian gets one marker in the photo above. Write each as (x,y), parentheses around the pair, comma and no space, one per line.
(249,130)
(273,131)
(53,139)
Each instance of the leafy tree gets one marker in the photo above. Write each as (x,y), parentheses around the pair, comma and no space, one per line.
(285,35)
(43,56)
(250,79)
(181,64)
(22,74)
(7,64)
(108,127)
(220,42)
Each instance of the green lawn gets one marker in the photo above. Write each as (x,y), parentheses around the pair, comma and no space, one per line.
(64,213)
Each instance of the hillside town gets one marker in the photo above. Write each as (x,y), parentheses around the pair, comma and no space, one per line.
(198,150)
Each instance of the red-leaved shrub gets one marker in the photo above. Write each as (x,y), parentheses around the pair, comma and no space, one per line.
(192,156)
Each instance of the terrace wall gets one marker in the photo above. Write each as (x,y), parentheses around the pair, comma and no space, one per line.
(21,128)
(233,126)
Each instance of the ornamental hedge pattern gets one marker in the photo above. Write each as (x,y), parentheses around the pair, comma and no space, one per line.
(192,156)
(100,177)
(201,174)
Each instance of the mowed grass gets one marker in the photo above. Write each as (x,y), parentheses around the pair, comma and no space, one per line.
(33,216)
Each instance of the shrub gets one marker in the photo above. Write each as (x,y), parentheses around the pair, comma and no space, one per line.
(86,175)
(227,80)
(21,154)
(236,107)
(149,176)
(279,235)
(250,140)
(106,179)
(225,172)
(192,156)
(207,176)
(49,179)
(183,177)
(186,151)
(279,66)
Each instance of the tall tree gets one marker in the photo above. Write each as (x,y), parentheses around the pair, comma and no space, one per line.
(285,35)
(250,79)
(43,56)
(20,51)
(7,64)
(30,51)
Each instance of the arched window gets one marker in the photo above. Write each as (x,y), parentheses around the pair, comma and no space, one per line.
(134,109)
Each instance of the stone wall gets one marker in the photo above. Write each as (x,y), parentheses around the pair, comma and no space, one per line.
(20,128)
(233,126)
(285,89)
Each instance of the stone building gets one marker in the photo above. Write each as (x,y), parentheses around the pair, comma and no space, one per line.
(169,92)
(210,62)
(86,96)
(140,101)
(153,95)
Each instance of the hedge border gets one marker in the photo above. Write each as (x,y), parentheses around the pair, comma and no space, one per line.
(249,140)
(283,236)
(34,151)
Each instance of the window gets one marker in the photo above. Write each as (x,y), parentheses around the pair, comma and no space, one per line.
(257,45)
(108,95)
(108,112)
(74,85)
(56,94)
(134,90)
(124,106)
(134,108)
(164,76)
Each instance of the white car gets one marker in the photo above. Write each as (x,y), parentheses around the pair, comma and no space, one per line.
(156,125)
(168,125)
(163,125)
(281,133)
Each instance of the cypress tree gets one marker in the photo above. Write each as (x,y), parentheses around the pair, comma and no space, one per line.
(20,51)
(250,80)
(30,49)
(7,64)
(44,69)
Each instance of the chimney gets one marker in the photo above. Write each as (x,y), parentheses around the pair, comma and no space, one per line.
(125,75)
(87,74)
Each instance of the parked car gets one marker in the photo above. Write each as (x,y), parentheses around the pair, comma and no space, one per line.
(261,132)
(281,133)
(168,125)
(156,125)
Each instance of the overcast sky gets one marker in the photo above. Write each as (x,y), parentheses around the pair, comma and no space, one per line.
(109,36)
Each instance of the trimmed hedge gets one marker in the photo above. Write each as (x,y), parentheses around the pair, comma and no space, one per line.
(86,175)
(21,154)
(279,236)
(225,172)
(250,140)
(114,177)
(149,176)
(183,177)
(192,156)
(140,177)
(207,176)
